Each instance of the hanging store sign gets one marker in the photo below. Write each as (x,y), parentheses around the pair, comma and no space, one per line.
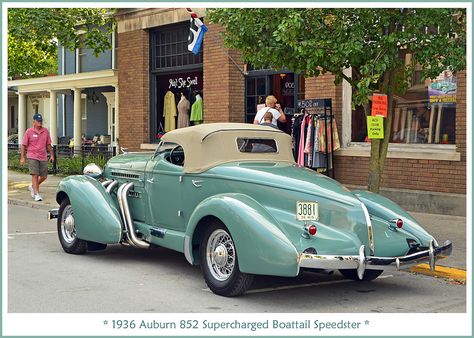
(379,105)
(375,127)
(183,82)
(443,89)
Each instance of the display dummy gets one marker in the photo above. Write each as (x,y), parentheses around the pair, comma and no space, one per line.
(183,112)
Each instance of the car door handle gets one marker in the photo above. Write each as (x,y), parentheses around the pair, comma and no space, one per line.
(150,180)
(197,183)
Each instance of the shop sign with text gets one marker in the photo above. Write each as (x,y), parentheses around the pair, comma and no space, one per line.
(181,82)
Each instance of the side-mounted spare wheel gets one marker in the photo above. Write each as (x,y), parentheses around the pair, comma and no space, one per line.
(219,262)
(67,230)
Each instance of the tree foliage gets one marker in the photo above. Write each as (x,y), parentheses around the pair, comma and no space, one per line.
(34,34)
(369,40)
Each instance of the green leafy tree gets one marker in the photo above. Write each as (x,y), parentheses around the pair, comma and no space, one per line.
(369,40)
(34,34)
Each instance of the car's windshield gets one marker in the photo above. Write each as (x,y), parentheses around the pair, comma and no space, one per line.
(171,152)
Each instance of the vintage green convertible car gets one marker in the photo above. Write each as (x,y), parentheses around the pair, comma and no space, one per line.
(232,199)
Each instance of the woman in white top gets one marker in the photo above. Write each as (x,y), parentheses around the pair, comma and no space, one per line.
(273,107)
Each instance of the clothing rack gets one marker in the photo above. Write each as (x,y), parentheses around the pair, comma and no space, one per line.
(322,110)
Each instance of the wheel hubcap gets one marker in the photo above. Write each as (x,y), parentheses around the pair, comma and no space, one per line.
(220,253)
(68,228)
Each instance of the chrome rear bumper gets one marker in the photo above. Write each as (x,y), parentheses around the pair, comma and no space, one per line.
(362,262)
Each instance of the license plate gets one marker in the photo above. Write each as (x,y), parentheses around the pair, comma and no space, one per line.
(307,211)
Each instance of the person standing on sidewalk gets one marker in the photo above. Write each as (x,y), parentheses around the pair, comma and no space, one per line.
(36,141)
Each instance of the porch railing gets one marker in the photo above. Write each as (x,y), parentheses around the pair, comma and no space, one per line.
(67,160)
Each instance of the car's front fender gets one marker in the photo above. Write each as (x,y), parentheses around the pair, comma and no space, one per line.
(96,215)
(262,248)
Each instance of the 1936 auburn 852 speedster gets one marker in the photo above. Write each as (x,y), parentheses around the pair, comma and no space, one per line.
(232,199)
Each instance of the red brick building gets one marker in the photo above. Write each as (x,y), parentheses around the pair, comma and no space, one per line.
(426,163)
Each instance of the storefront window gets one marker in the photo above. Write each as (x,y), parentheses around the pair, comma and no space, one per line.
(176,73)
(285,86)
(425,114)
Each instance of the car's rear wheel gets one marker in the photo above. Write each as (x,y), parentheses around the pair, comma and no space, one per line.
(219,262)
(67,230)
(368,274)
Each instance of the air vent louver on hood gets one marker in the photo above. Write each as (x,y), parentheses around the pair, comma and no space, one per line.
(124,175)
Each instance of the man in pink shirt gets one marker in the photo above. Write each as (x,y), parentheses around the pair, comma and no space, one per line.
(35,141)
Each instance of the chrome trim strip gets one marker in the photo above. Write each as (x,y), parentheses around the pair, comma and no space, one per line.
(359,262)
(187,249)
(370,231)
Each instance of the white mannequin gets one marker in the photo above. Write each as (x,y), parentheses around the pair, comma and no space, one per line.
(198,97)
(182,98)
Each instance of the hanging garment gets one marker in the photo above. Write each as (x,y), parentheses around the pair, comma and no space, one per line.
(295,135)
(302,142)
(335,135)
(183,113)
(196,111)
(169,111)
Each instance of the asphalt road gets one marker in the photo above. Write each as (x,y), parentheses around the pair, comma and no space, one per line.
(43,278)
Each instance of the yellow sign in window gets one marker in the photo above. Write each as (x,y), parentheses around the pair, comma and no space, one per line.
(375,127)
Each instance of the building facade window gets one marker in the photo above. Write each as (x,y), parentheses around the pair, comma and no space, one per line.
(172,69)
(425,114)
(12,117)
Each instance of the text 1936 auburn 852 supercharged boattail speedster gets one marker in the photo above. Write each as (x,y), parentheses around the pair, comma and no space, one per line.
(231,198)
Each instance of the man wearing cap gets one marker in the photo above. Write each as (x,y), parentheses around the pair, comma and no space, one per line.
(36,140)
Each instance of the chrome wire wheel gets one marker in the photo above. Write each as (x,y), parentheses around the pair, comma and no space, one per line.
(68,228)
(220,254)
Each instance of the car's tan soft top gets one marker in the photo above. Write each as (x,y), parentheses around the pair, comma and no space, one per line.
(208,145)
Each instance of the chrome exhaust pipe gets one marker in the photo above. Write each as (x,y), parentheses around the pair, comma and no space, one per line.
(132,237)
(106,183)
(111,186)
(124,219)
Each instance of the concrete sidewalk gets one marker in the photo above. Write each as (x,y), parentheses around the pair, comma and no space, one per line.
(440,226)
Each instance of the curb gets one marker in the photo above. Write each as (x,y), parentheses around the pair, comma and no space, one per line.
(440,271)
(23,203)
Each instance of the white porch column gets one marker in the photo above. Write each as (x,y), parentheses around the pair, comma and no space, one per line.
(346,131)
(53,116)
(21,116)
(116,117)
(77,120)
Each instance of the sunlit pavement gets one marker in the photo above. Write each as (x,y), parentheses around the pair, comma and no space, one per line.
(43,278)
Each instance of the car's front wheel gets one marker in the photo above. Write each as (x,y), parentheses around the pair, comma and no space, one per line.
(219,262)
(368,274)
(67,230)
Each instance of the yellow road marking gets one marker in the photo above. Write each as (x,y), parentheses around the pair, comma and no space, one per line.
(19,185)
(440,271)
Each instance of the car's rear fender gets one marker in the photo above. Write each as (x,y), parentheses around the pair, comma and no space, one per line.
(96,214)
(261,246)
(386,209)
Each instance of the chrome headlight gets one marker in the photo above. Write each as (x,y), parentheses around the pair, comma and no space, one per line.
(92,170)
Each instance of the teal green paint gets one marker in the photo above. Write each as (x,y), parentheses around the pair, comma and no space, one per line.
(172,239)
(384,208)
(261,247)
(96,214)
